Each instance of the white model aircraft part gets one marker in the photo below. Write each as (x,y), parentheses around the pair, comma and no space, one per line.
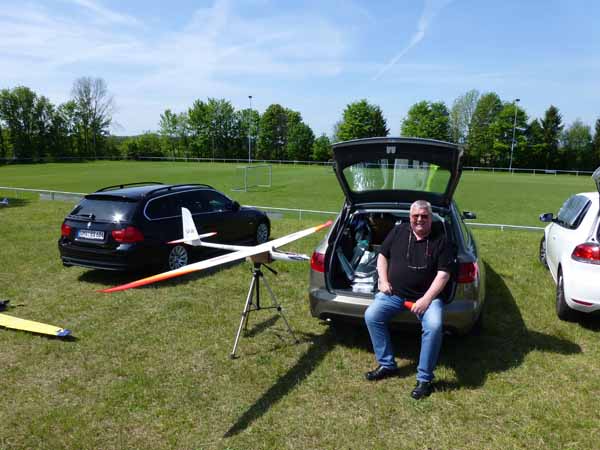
(190,234)
(267,247)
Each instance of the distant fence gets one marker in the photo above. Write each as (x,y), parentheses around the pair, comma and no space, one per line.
(272,211)
(268,161)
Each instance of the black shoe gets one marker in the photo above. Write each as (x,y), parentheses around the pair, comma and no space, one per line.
(380,373)
(422,389)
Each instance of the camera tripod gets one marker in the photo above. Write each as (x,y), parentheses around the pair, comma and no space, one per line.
(254,293)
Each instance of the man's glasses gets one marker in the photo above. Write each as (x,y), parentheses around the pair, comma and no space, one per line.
(421,216)
(416,267)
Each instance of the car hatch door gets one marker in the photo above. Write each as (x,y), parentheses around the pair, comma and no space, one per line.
(398,170)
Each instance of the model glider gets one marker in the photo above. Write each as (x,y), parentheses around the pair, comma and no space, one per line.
(4,202)
(29,325)
(261,253)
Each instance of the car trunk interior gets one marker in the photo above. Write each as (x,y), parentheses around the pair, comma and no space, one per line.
(353,258)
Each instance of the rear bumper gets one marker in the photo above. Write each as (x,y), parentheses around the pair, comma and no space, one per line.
(581,283)
(126,257)
(459,315)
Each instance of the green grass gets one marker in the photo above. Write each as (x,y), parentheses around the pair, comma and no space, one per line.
(515,199)
(149,367)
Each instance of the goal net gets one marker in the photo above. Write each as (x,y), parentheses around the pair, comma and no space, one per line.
(257,175)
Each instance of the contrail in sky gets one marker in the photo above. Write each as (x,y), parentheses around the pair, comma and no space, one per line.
(430,10)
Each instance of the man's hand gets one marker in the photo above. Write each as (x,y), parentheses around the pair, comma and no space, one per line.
(385,286)
(421,306)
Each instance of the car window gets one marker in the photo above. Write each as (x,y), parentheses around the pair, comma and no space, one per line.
(195,201)
(113,210)
(163,207)
(573,211)
(217,201)
(397,174)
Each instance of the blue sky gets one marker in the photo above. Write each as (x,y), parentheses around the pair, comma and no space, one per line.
(313,56)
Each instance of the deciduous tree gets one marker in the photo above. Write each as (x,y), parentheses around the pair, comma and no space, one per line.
(427,120)
(300,142)
(480,140)
(461,114)
(576,151)
(552,127)
(95,107)
(321,150)
(361,120)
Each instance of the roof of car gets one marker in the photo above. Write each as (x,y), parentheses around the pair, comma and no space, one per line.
(137,191)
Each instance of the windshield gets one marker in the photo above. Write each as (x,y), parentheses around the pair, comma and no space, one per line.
(397,174)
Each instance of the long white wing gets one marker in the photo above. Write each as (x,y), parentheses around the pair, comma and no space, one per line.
(223,259)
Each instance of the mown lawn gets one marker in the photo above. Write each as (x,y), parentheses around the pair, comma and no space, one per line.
(514,199)
(149,368)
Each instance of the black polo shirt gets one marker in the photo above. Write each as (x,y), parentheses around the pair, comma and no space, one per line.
(413,264)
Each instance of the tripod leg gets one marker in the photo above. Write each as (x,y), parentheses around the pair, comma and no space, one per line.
(243,320)
(280,311)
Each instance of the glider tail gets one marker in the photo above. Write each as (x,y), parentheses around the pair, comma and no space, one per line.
(190,234)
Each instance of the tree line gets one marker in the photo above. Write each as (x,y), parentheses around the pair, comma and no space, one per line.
(494,133)
(31,127)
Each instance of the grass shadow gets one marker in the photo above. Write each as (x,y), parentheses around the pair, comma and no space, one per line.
(321,345)
(589,321)
(503,343)
(13,202)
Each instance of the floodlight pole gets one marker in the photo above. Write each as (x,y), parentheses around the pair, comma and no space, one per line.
(512,144)
(249,133)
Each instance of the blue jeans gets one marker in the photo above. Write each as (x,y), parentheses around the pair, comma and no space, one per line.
(377,317)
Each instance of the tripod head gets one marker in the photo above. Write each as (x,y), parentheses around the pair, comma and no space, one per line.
(258,265)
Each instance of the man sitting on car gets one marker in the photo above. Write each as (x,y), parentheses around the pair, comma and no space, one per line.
(414,265)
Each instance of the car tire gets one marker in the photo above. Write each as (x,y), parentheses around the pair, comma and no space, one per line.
(562,309)
(542,254)
(177,257)
(477,328)
(262,233)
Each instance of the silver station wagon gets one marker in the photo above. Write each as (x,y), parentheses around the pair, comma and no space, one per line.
(380,178)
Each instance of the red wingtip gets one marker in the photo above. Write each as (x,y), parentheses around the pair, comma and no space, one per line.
(145,281)
(325,225)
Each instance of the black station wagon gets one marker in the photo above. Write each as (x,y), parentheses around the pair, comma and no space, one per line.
(127,227)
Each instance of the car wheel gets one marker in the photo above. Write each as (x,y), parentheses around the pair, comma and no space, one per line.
(178,257)
(542,255)
(262,233)
(562,309)
(477,328)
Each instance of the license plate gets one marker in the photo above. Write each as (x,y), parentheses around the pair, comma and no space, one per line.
(91,234)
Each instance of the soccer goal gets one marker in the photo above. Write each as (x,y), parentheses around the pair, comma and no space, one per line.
(257,175)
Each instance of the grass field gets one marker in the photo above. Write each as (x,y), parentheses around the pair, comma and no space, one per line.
(515,199)
(149,368)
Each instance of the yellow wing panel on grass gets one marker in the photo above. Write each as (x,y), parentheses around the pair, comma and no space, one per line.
(29,325)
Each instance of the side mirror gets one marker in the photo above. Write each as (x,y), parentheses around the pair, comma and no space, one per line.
(546,217)
(468,215)
(235,206)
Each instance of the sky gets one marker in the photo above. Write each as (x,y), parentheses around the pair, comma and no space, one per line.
(314,57)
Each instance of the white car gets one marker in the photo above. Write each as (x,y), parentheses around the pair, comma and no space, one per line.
(570,248)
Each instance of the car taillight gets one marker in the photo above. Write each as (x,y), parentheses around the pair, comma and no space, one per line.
(65,230)
(128,235)
(587,253)
(467,272)
(317,262)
